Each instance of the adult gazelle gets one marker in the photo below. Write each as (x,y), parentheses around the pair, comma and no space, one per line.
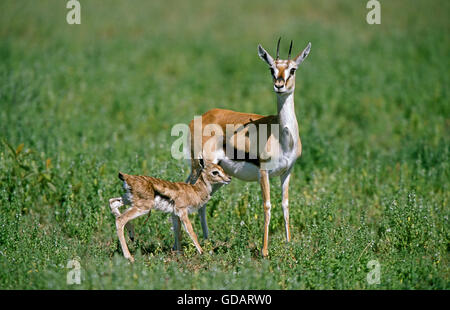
(258,147)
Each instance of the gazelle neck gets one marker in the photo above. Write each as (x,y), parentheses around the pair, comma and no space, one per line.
(286,111)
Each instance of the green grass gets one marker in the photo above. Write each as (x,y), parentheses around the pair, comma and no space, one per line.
(78,103)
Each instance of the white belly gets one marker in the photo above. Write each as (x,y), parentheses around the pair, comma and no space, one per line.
(249,172)
(163,204)
(240,169)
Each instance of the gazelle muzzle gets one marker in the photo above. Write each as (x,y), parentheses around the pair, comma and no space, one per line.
(279,83)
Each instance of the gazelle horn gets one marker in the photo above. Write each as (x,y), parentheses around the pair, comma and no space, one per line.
(278,48)
(290,49)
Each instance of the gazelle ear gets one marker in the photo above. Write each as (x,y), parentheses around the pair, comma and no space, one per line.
(299,59)
(262,53)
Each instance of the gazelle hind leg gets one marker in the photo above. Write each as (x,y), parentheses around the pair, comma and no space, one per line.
(265,188)
(285,203)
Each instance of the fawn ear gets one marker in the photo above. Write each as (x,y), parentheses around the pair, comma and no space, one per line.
(202,163)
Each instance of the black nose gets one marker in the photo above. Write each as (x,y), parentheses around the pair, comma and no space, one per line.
(278,86)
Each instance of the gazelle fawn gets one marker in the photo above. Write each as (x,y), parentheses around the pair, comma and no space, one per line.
(144,193)
(288,142)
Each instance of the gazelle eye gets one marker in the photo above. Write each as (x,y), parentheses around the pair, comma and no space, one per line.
(215,173)
(272,71)
(292,71)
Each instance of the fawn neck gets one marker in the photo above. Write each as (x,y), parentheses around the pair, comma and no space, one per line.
(203,186)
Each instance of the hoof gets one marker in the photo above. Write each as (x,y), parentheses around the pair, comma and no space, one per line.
(175,248)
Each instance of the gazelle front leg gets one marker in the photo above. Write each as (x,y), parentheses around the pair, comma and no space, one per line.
(203,223)
(188,227)
(265,189)
(202,212)
(176,224)
(285,202)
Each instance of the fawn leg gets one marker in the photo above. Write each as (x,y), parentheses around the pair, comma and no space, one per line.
(202,211)
(176,224)
(188,227)
(115,204)
(123,219)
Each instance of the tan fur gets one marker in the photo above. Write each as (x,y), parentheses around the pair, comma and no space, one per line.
(223,117)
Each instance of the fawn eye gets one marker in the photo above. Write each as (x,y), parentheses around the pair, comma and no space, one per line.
(292,71)
(215,173)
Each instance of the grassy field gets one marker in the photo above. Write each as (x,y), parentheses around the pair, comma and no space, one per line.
(80,102)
